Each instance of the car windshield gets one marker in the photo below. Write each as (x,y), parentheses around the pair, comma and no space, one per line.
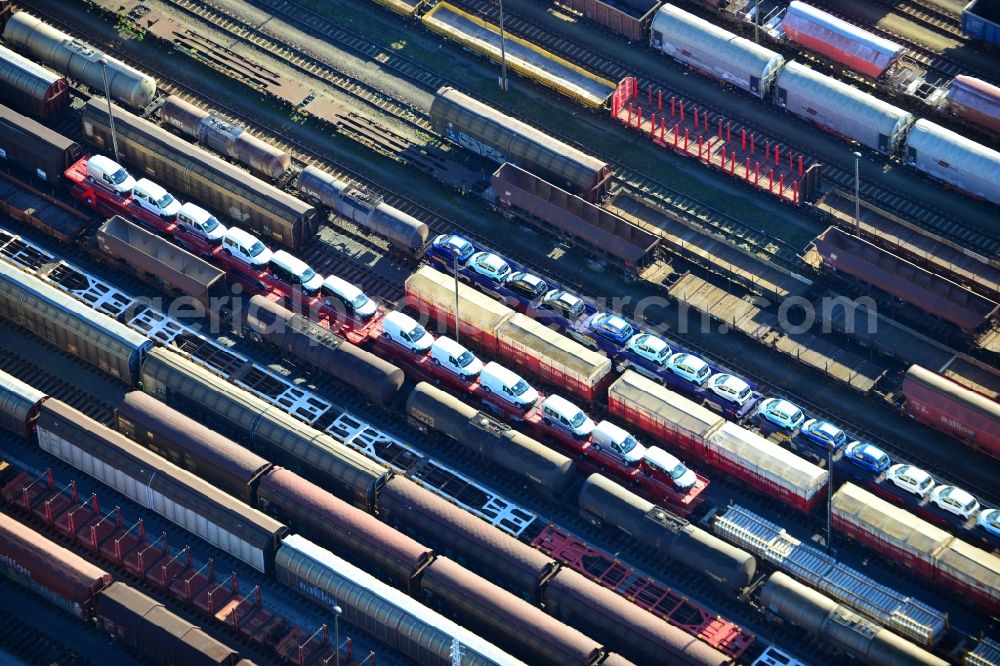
(520,387)
(416,332)
(678,471)
(794,416)
(745,393)
(308,274)
(119,176)
(465,359)
(165,200)
(359,301)
(628,444)
(578,419)
(926,482)
(256,249)
(210,224)
(704,372)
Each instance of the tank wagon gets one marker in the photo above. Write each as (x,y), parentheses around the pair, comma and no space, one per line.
(175,270)
(375,378)
(929,551)
(370,604)
(953,409)
(146,626)
(265,429)
(975,100)
(222,187)
(406,233)
(719,54)
(79,60)
(59,575)
(429,407)
(34,147)
(19,404)
(840,626)
(158,485)
(223,137)
(671,537)
(487,132)
(840,41)
(31,88)
(71,326)
(953,159)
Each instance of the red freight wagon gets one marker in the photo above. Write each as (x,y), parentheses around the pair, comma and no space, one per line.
(57,574)
(737,451)
(953,409)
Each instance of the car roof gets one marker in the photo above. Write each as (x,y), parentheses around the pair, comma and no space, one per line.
(696,362)
(916,473)
(449,346)
(530,278)
(612,319)
(828,428)
(613,432)
(561,406)
(871,449)
(400,319)
(959,495)
(455,239)
(342,287)
(654,341)
(493,260)
(104,163)
(731,381)
(151,188)
(502,374)
(662,458)
(195,212)
(240,236)
(785,406)
(289,262)
(566,297)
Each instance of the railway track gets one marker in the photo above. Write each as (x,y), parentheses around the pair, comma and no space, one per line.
(688,208)
(306,154)
(934,17)
(833,170)
(34,645)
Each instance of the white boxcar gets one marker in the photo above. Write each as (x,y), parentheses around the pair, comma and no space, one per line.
(418,632)
(160,486)
(841,109)
(837,39)
(718,53)
(951,158)
(432,293)
(765,465)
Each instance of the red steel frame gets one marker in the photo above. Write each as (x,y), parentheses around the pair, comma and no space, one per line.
(762,163)
(128,548)
(645,592)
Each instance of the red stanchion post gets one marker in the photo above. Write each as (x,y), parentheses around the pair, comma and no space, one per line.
(756,173)
(723,155)
(746,169)
(781,184)
(720,127)
(659,100)
(696,116)
(663,128)
(652,125)
(753,144)
(682,110)
(638,120)
(732,163)
(729,132)
(795,191)
(743,140)
(777,155)
(699,146)
(770,180)
(673,106)
(800,166)
(686,139)
(677,133)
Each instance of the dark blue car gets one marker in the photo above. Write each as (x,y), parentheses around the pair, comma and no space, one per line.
(444,249)
(867,456)
(609,330)
(824,434)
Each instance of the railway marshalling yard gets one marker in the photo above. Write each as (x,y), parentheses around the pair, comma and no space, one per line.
(731,246)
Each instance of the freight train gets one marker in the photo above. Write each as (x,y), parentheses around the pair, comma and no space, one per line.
(164,373)
(313,511)
(118,610)
(585,375)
